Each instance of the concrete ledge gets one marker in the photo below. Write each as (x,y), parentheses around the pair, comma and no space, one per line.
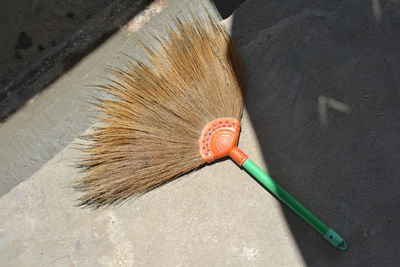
(54,37)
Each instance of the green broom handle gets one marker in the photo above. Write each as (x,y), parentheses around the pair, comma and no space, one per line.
(329,234)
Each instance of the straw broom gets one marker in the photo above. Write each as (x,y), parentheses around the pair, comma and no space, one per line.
(171,116)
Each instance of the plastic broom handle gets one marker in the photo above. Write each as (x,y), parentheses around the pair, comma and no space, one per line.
(328,233)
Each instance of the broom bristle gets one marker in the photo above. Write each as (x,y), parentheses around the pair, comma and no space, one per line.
(149,129)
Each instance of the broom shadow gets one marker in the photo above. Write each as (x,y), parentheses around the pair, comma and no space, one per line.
(321,93)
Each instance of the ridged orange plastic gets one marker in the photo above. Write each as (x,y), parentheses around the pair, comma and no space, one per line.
(219,139)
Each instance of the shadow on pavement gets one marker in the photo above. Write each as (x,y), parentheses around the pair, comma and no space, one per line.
(322,92)
(45,39)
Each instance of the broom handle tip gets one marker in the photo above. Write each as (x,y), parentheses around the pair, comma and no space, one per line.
(336,240)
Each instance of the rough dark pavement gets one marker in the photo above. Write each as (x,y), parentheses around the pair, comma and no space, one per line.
(328,74)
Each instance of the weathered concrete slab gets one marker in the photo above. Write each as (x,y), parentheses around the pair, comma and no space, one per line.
(216,216)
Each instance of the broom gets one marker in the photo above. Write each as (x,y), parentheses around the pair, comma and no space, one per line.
(168,117)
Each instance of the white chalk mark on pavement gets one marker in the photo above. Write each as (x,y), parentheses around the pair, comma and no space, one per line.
(324,103)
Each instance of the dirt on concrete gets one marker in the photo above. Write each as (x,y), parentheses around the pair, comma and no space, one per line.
(42,39)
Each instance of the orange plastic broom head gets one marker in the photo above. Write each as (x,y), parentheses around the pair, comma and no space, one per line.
(219,139)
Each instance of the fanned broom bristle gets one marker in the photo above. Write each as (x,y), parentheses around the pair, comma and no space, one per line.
(149,129)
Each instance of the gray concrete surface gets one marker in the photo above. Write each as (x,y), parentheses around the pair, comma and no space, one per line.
(216,216)
(54,117)
(42,39)
(322,112)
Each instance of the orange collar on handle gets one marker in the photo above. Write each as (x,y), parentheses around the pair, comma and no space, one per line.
(219,139)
